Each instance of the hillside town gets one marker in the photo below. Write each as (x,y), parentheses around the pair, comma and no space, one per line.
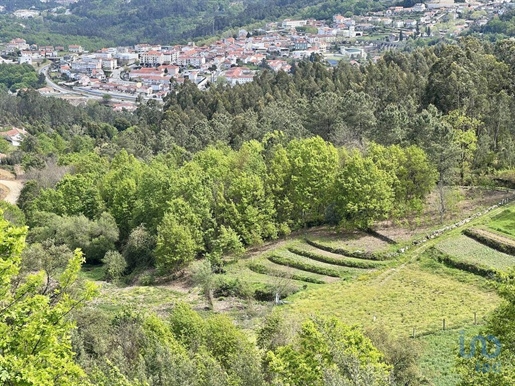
(152,70)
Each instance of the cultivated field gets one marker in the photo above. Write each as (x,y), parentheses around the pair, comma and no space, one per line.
(465,249)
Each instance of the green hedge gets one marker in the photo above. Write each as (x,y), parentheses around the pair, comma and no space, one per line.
(494,244)
(453,262)
(345,252)
(343,262)
(259,268)
(281,260)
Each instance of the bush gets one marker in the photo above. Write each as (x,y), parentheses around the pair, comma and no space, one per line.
(267,292)
(139,250)
(114,265)
(232,287)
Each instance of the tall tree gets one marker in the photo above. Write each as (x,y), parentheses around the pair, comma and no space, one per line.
(35,328)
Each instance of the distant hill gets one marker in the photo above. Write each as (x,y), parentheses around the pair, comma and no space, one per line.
(126,22)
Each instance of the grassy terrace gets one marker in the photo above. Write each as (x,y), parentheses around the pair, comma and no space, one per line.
(418,295)
(468,250)
(504,222)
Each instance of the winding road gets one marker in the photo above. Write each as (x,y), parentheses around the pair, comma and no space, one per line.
(84,91)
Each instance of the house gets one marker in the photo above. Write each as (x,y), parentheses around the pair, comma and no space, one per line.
(75,48)
(154,58)
(293,23)
(172,70)
(353,53)
(300,44)
(25,59)
(239,75)
(15,136)
(440,4)
(25,13)
(17,44)
(277,65)
(419,7)
(338,19)
(126,58)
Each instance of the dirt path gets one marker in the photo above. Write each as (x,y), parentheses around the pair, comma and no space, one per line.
(15,187)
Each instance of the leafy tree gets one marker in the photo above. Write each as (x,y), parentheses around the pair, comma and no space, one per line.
(313,165)
(95,237)
(35,327)
(412,175)
(139,250)
(204,277)
(178,238)
(362,192)
(466,130)
(327,352)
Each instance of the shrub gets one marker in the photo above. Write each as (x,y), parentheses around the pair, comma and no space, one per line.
(114,265)
(232,287)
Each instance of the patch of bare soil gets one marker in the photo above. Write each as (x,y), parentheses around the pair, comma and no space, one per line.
(6,175)
(495,236)
(4,191)
(350,240)
(461,204)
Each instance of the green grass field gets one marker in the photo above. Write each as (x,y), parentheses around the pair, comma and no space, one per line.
(439,351)
(468,250)
(504,222)
(407,297)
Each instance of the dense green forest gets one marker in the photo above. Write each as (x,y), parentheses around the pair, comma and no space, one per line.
(20,77)
(213,172)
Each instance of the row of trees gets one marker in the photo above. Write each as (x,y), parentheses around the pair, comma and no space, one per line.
(223,199)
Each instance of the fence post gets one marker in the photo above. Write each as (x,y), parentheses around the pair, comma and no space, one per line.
(443,324)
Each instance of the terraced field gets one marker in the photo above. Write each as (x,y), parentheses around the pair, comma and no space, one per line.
(418,295)
(467,250)
(496,236)
(352,241)
(300,265)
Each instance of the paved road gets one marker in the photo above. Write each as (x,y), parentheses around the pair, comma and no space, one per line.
(84,91)
(15,187)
